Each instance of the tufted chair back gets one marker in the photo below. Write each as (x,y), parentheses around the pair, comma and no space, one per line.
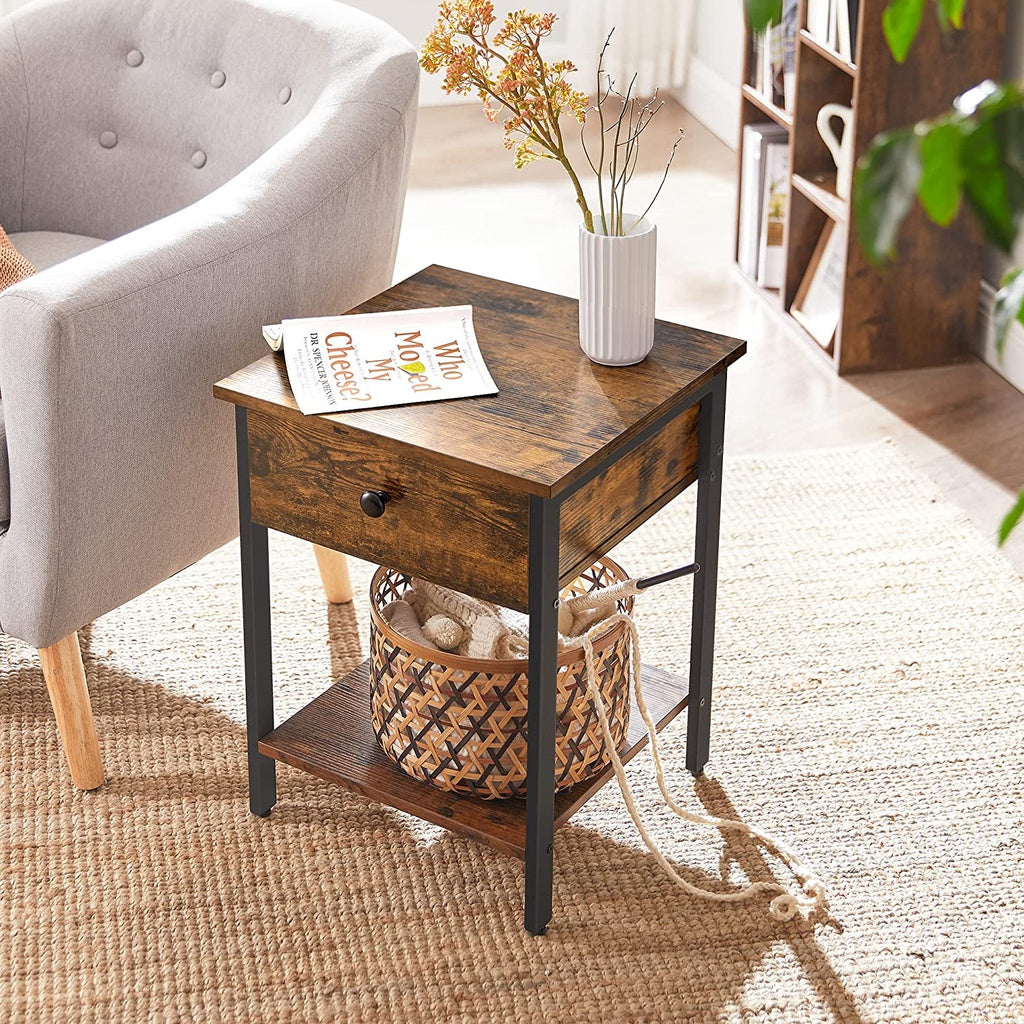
(133,109)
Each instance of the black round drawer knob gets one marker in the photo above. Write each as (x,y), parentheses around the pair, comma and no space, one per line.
(373,502)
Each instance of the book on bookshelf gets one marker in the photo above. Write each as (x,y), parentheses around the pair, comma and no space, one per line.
(775,51)
(790,24)
(755,139)
(818,303)
(843,43)
(817,19)
(833,24)
(768,62)
(771,264)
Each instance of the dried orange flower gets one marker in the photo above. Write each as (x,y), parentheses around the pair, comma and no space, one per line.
(506,71)
(529,97)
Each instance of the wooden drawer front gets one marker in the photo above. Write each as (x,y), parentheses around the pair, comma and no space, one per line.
(306,479)
(627,494)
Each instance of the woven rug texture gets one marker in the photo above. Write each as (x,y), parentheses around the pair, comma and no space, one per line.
(869,710)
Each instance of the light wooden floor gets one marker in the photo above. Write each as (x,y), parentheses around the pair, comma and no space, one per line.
(468,207)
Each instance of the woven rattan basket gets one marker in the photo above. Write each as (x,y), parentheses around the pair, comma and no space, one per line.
(460,723)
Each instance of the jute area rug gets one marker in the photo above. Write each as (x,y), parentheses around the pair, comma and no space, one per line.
(869,709)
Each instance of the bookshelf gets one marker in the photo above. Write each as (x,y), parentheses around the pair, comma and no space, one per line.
(923,309)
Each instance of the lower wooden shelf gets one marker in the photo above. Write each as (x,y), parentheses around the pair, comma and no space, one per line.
(821,190)
(332,738)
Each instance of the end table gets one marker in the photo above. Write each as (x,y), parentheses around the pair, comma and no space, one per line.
(506,497)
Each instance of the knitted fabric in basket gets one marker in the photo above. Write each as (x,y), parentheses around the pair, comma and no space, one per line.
(13,266)
(460,723)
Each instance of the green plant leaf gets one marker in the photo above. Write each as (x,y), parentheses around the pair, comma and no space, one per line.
(975,151)
(762,13)
(951,12)
(901,21)
(1009,305)
(941,171)
(883,191)
(993,168)
(1012,518)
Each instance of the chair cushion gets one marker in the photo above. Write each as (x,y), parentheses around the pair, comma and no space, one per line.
(45,248)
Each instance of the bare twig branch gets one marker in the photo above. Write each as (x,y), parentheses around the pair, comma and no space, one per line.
(664,177)
(530,98)
(600,110)
(617,213)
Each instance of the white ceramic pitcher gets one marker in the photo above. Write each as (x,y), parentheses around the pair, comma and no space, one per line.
(840,148)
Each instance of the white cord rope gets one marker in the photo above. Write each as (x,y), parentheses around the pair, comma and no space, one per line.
(786,904)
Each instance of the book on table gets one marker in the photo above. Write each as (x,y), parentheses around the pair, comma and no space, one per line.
(374,360)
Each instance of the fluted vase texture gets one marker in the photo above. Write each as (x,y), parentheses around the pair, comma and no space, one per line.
(617,275)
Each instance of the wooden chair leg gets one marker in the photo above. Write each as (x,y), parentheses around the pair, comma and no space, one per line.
(334,574)
(69,695)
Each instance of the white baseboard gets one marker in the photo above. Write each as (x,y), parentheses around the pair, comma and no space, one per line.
(713,100)
(1011,364)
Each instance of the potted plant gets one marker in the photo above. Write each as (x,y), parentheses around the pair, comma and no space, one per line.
(531,98)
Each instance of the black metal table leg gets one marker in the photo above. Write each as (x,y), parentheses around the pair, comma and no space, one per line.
(259,683)
(541,716)
(705,584)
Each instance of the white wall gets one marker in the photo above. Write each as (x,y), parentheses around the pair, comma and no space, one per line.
(712,89)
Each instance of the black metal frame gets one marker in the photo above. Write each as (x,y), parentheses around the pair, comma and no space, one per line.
(543,610)
(259,664)
(543,596)
(711,444)
(541,720)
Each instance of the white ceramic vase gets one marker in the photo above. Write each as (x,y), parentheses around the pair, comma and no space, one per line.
(617,293)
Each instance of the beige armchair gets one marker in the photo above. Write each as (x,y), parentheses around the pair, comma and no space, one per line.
(180,172)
